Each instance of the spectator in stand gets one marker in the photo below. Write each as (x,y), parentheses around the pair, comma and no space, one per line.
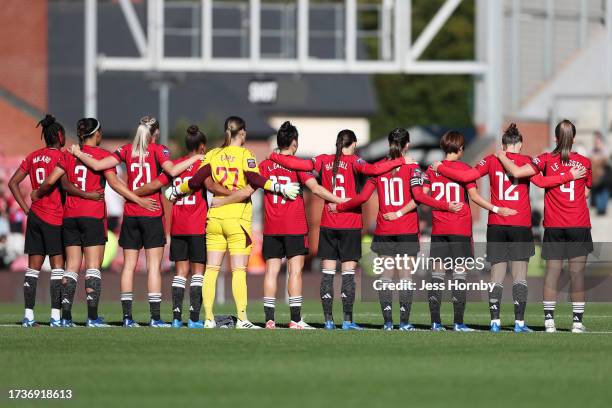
(602,174)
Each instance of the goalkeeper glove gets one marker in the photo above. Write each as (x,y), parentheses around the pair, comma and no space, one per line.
(172,193)
(289,190)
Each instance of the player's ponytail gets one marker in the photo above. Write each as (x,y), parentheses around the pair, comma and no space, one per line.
(398,139)
(233,125)
(194,138)
(345,139)
(86,128)
(512,135)
(52,131)
(565,132)
(144,133)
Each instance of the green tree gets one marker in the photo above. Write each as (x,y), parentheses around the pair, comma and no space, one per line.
(406,100)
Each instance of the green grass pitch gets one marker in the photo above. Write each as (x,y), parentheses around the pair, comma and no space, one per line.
(146,367)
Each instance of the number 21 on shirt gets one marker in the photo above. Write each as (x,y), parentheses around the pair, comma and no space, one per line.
(138,181)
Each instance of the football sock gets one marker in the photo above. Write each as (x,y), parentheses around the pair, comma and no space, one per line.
(30,281)
(405,301)
(209,288)
(239,290)
(348,294)
(578,311)
(459,298)
(178,294)
(126,304)
(385,297)
(93,289)
(269,306)
(495,297)
(295,308)
(519,298)
(155,305)
(195,297)
(327,293)
(549,310)
(435,297)
(55,291)
(68,290)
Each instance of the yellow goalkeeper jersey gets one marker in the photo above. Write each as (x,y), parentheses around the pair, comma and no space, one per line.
(228,166)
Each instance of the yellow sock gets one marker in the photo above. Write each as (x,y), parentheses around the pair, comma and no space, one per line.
(208,290)
(239,290)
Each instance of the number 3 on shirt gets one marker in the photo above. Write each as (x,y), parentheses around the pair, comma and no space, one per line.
(445,192)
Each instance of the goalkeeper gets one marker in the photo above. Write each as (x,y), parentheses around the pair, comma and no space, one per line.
(229,226)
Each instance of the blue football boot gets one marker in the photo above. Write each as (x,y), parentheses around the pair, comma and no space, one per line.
(437,327)
(330,325)
(406,327)
(388,326)
(195,325)
(462,328)
(346,325)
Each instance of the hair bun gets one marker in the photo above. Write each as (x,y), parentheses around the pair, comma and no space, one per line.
(148,121)
(286,125)
(47,121)
(193,130)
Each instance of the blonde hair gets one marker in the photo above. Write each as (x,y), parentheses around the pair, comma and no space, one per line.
(146,128)
(233,125)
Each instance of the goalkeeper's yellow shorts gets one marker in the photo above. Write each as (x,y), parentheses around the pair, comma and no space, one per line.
(229,233)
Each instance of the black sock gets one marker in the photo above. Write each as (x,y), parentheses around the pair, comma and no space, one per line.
(327,293)
(269,307)
(155,305)
(30,281)
(435,297)
(459,298)
(495,297)
(93,289)
(55,289)
(126,304)
(385,297)
(295,308)
(68,290)
(549,310)
(178,294)
(405,301)
(578,311)
(195,297)
(348,294)
(519,298)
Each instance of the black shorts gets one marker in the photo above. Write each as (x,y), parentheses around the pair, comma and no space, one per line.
(284,246)
(42,238)
(190,248)
(509,243)
(84,232)
(340,244)
(566,243)
(139,232)
(391,245)
(451,246)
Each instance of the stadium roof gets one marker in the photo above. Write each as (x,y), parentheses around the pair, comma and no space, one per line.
(200,98)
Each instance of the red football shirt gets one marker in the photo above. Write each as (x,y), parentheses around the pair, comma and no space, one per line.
(189,212)
(85,179)
(39,165)
(281,216)
(344,186)
(139,174)
(394,192)
(445,189)
(565,206)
